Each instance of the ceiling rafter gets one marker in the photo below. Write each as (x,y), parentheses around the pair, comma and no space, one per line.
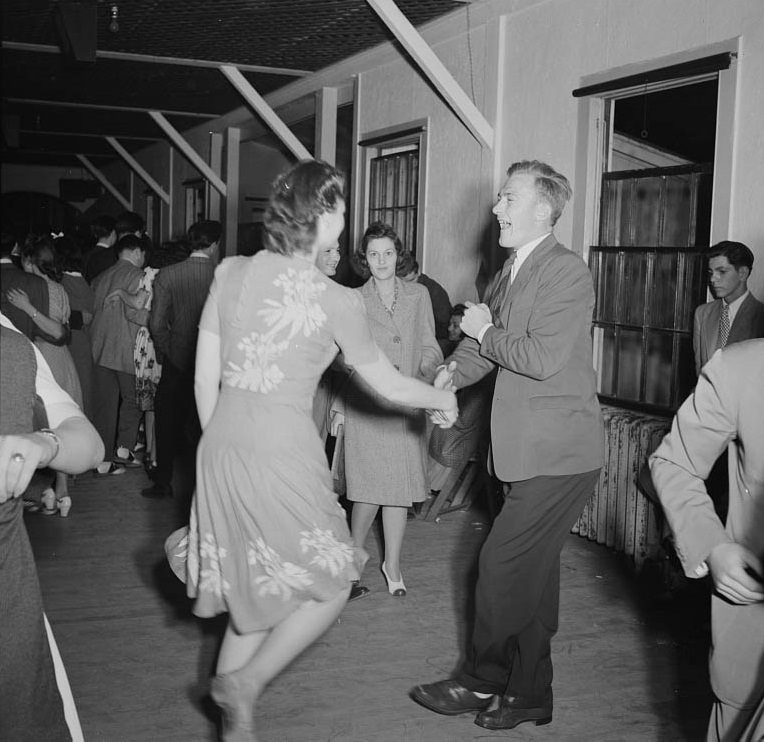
(157,59)
(108,107)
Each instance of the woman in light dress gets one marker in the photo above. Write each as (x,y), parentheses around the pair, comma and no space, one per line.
(38,256)
(267,541)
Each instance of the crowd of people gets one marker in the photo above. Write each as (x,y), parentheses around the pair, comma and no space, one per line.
(263,358)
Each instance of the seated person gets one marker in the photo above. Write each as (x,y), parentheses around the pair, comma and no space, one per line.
(452,448)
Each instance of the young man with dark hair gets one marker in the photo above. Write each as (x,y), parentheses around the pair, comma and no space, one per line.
(104,254)
(113,332)
(734,314)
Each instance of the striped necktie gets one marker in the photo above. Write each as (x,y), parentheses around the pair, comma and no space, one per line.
(724,324)
(502,286)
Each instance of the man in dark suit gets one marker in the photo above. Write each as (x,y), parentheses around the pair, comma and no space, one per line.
(180,292)
(113,332)
(35,288)
(547,446)
(735,314)
(108,232)
(103,255)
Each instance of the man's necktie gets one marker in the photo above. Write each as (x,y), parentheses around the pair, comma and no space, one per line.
(724,324)
(502,286)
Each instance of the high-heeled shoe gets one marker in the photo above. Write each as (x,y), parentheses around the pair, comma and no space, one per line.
(396,588)
(51,504)
(236,698)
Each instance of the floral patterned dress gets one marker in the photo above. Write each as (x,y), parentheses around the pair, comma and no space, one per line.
(266,531)
(148,370)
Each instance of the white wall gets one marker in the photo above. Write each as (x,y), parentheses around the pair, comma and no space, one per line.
(552,44)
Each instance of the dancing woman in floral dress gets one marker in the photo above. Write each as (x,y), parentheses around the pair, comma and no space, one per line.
(267,542)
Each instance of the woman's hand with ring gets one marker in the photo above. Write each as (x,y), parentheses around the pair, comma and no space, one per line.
(20,300)
(20,457)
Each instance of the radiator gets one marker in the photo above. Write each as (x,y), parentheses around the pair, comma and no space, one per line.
(618,514)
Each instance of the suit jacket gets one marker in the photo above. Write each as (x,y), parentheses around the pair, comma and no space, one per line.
(180,291)
(97,261)
(36,289)
(441,309)
(726,411)
(749,323)
(116,325)
(545,417)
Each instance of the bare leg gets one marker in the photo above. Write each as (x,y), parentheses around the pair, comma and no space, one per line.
(248,662)
(63,501)
(292,637)
(394,525)
(237,650)
(61,486)
(361,521)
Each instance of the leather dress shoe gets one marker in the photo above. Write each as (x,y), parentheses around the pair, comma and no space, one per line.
(513,710)
(357,590)
(448,697)
(157,491)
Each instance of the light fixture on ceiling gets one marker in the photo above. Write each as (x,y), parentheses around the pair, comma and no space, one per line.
(114,22)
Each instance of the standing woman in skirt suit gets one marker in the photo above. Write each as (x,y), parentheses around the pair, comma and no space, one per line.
(385,444)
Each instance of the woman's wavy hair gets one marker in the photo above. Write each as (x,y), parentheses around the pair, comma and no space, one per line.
(375,231)
(298,198)
(40,250)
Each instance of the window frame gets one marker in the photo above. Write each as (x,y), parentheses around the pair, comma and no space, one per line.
(594,134)
(370,145)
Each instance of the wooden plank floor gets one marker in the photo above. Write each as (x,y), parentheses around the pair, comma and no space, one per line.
(627,666)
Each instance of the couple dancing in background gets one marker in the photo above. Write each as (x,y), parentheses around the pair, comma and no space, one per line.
(267,541)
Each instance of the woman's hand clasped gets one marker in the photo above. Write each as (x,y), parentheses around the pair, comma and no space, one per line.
(20,457)
(20,300)
(445,418)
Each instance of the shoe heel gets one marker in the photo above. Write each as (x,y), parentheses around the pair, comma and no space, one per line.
(64,506)
(48,500)
(542,722)
(396,588)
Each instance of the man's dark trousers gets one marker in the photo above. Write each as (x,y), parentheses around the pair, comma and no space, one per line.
(518,590)
(175,409)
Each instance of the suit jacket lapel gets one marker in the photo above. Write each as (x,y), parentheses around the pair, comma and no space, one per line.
(740,327)
(712,327)
(527,269)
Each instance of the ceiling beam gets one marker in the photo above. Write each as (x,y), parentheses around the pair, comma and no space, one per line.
(326,125)
(154,59)
(21,151)
(262,109)
(434,70)
(106,107)
(138,168)
(92,135)
(104,181)
(177,139)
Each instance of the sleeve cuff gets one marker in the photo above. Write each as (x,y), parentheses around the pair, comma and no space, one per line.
(701,570)
(483,331)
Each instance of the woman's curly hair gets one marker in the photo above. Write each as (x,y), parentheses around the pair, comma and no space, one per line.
(298,198)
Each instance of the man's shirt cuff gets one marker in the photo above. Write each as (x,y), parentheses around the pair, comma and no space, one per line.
(483,331)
